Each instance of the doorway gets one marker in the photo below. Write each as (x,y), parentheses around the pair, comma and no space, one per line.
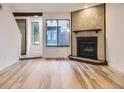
(22,26)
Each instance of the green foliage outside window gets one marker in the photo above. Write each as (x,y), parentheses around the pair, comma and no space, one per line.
(35,33)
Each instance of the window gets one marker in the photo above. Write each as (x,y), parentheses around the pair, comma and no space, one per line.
(51,33)
(35,33)
(57,32)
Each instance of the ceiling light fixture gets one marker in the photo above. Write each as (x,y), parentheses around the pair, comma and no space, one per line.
(85,6)
(36,16)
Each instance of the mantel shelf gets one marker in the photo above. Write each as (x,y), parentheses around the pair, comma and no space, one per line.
(95,30)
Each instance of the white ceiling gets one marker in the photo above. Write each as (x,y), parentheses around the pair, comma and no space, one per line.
(48,7)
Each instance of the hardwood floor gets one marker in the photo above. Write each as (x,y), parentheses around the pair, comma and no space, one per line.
(41,73)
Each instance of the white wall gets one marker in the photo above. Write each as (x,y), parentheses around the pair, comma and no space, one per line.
(10,39)
(35,50)
(115,35)
(55,52)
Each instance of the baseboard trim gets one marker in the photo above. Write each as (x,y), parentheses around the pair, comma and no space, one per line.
(27,58)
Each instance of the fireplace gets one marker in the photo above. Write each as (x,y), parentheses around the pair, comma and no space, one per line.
(87,47)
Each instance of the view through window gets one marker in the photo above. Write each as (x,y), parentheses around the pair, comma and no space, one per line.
(57,32)
(35,33)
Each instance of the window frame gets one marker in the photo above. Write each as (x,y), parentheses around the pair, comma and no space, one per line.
(57,34)
(32,40)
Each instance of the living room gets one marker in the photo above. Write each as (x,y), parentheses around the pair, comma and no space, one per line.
(76,45)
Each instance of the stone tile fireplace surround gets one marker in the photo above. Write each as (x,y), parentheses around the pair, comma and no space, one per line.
(90,23)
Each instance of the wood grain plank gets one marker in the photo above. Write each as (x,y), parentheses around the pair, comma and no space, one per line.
(59,74)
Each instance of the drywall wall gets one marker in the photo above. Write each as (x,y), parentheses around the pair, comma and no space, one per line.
(89,18)
(33,50)
(115,35)
(10,39)
(55,52)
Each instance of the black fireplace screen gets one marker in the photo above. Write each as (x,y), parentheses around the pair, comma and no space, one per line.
(87,47)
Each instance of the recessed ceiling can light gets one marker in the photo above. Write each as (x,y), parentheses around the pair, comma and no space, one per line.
(85,6)
(35,16)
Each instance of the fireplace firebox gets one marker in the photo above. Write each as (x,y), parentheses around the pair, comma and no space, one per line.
(87,47)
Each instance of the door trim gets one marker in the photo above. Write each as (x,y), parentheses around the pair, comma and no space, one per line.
(25,35)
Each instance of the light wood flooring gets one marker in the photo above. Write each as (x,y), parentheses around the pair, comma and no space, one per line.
(41,73)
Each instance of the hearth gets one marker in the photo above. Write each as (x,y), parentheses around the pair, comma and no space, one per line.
(87,47)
